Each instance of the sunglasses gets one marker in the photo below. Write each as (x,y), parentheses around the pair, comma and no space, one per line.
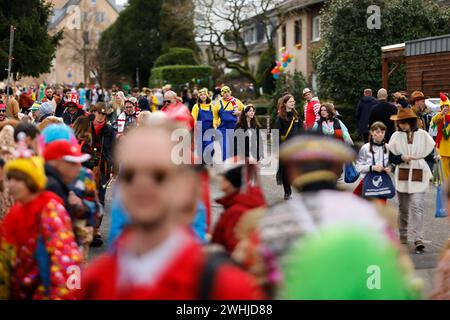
(127,175)
(2,111)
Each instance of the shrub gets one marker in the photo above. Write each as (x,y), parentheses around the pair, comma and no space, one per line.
(176,56)
(180,75)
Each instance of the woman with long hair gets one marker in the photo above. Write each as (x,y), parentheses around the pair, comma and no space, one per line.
(329,125)
(82,131)
(248,122)
(289,124)
(204,118)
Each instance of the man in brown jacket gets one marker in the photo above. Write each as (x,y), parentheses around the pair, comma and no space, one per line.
(12,109)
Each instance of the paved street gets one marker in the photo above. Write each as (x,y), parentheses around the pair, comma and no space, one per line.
(436,230)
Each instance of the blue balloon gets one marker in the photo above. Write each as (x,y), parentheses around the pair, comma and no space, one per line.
(289,60)
(275,76)
(285,64)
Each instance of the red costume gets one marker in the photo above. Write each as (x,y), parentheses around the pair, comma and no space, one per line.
(235,204)
(312,109)
(180,280)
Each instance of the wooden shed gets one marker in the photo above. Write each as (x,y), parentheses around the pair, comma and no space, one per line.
(427,64)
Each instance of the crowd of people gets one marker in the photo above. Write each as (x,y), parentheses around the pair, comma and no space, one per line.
(62,148)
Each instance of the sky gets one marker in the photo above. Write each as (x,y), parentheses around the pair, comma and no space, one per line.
(121,2)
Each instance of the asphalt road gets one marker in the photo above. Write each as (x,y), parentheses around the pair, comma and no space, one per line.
(437,230)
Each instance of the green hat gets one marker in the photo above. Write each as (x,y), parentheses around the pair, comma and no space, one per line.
(343,263)
(35,106)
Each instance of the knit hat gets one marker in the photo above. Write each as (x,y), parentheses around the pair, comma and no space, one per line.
(238,171)
(225,89)
(28,164)
(204,90)
(46,108)
(2,106)
(444,100)
(55,132)
(35,106)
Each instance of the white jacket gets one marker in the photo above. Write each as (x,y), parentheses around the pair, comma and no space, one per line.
(365,158)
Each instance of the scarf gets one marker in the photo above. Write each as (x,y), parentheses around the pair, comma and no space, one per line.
(232,100)
(21,222)
(442,130)
(98,126)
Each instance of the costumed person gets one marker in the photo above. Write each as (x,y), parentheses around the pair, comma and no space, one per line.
(2,113)
(203,116)
(177,111)
(115,108)
(248,141)
(409,149)
(441,289)
(34,111)
(226,112)
(313,164)
(239,183)
(6,200)
(373,156)
(37,245)
(289,124)
(441,121)
(127,119)
(45,110)
(311,108)
(155,257)
(329,125)
(73,109)
(103,139)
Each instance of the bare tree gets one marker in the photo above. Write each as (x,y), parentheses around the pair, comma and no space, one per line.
(81,36)
(222,24)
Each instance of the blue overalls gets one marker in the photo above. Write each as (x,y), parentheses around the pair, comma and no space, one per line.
(227,123)
(206,119)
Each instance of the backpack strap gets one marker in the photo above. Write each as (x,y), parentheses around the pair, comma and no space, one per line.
(284,137)
(214,261)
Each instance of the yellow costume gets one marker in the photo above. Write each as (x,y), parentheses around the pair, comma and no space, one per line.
(442,122)
(227,107)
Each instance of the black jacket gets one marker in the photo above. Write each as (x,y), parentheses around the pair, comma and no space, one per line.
(382,112)
(283,126)
(57,186)
(104,143)
(365,107)
(68,119)
(250,149)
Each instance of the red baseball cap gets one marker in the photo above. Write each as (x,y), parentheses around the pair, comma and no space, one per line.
(62,149)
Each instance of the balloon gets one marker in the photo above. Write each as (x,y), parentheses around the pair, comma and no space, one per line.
(275,76)
(289,60)
(278,63)
(281,69)
(285,65)
(283,49)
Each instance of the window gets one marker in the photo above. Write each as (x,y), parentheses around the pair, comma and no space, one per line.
(250,36)
(315,29)
(283,36)
(298,32)
(94,2)
(85,16)
(86,38)
(269,31)
(100,17)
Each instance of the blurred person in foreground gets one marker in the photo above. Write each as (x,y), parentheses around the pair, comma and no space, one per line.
(313,164)
(37,245)
(441,289)
(155,258)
